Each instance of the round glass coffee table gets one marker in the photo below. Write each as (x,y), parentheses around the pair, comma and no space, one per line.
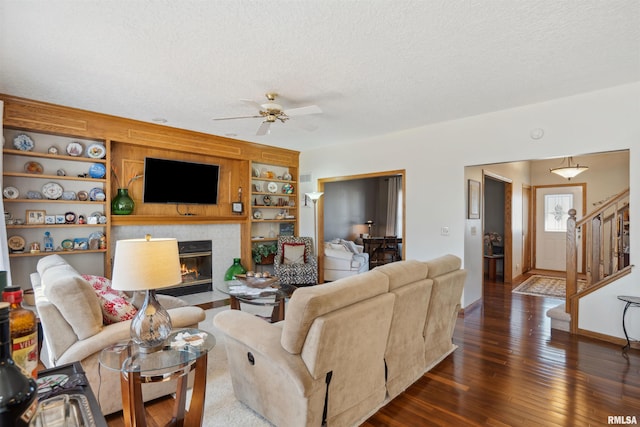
(185,350)
(252,292)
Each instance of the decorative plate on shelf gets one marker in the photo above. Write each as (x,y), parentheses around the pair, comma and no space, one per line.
(287,189)
(75,149)
(16,243)
(272,187)
(83,195)
(266,200)
(97,170)
(69,195)
(67,244)
(255,172)
(97,194)
(10,192)
(33,167)
(257,187)
(96,151)
(70,218)
(257,214)
(52,190)
(286,176)
(34,195)
(23,142)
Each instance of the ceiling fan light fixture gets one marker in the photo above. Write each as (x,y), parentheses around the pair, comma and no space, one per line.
(569,171)
(271,107)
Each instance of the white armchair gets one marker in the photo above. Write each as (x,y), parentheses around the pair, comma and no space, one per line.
(343,258)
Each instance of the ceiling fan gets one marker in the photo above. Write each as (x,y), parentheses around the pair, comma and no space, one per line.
(272,111)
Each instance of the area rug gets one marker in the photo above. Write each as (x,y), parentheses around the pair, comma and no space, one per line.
(221,406)
(545,286)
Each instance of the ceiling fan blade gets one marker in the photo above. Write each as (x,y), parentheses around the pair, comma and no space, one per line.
(239,117)
(310,109)
(264,128)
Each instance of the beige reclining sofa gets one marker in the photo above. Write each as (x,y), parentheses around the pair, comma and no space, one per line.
(345,348)
(73,329)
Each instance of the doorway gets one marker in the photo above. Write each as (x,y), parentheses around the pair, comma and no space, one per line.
(497,221)
(551,206)
(352,210)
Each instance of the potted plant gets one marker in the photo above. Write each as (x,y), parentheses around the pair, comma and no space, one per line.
(264,253)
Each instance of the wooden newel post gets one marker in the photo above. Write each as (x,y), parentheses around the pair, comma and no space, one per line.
(572,260)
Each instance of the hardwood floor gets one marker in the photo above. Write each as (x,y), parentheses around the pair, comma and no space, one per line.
(509,370)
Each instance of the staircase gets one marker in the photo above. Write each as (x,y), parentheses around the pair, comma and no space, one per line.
(598,249)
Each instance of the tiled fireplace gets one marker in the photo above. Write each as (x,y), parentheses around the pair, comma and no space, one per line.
(224,245)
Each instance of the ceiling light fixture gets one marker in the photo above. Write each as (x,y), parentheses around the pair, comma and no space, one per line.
(569,171)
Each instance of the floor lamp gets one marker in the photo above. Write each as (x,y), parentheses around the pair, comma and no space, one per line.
(315,196)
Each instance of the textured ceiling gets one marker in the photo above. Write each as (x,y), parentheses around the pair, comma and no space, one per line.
(373,67)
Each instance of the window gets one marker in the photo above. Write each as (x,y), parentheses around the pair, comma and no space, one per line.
(556,212)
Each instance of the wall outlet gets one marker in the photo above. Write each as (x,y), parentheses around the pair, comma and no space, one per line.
(444,231)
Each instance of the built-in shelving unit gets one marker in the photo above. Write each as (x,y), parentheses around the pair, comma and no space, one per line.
(274,210)
(77,227)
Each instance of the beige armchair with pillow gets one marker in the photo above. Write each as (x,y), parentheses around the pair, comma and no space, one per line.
(79,320)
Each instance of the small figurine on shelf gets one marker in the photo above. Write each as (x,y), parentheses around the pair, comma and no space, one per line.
(81,219)
(103,242)
(48,242)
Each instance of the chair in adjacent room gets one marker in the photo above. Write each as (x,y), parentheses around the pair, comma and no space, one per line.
(295,262)
(387,252)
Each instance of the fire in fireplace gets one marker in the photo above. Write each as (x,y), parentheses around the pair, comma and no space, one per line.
(196,268)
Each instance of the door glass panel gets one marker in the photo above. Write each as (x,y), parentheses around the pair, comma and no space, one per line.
(556,208)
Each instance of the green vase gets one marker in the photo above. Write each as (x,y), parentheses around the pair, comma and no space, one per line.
(122,204)
(236,268)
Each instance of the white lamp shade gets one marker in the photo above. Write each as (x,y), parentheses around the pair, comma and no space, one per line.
(314,196)
(142,264)
(569,172)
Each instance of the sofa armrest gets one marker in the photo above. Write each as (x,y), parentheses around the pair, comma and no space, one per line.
(263,338)
(117,332)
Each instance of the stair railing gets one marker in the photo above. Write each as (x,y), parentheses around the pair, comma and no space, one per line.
(602,239)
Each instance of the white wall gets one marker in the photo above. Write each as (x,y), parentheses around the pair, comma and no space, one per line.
(435,157)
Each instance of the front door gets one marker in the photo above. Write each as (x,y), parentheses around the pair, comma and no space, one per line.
(552,207)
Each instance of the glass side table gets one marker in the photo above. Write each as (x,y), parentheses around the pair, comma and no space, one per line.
(274,295)
(631,301)
(185,350)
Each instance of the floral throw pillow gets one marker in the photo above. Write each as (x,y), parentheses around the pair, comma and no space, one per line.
(114,304)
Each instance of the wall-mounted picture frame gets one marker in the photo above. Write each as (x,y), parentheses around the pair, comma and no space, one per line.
(236,207)
(36,216)
(473,199)
(286,229)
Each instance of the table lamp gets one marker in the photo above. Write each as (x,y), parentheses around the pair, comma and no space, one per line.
(370,223)
(146,265)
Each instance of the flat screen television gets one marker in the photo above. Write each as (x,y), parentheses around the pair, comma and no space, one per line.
(180,182)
